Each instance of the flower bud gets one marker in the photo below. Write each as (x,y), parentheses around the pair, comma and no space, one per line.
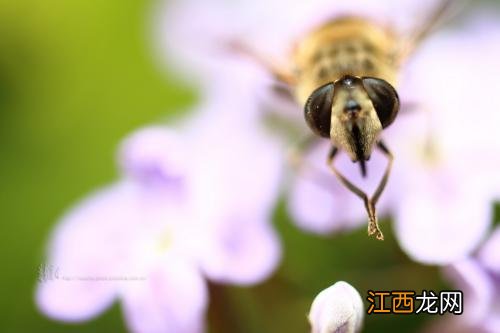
(337,309)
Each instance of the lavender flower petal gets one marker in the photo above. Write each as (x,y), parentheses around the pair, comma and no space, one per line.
(174,299)
(489,254)
(154,156)
(440,219)
(240,250)
(235,163)
(89,245)
(478,288)
(461,122)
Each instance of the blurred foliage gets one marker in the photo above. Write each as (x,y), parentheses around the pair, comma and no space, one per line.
(75,77)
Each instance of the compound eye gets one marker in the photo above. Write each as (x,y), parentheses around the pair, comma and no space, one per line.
(384,98)
(318,110)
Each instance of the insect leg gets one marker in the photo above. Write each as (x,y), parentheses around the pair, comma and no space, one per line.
(373,227)
(443,11)
(280,73)
(383,181)
(284,91)
(295,154)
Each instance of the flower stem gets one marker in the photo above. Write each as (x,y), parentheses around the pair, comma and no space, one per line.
(222,317)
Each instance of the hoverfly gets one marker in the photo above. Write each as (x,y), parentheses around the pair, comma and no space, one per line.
(344,75)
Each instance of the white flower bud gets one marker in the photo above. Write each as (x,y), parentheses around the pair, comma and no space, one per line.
(337,309)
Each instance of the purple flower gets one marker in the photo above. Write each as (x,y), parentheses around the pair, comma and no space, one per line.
(479,279)
(188,207)
(445,171)
(446,179)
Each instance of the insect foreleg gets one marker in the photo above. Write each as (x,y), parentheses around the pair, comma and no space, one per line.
(385,178)
(279,72)
(373,227)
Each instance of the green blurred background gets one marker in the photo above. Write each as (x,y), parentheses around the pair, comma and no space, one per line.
(76,77)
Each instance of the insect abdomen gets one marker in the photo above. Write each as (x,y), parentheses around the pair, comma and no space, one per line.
(346,46)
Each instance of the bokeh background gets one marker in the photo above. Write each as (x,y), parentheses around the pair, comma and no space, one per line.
(75,78)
